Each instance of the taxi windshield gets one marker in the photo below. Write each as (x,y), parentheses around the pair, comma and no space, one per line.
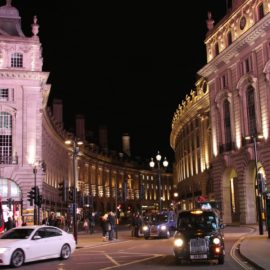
(203,220)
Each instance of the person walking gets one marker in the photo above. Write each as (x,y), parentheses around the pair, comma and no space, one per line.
(111,225)
(104,226)
(91,219)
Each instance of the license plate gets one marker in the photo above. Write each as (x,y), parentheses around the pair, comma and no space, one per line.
(198,256)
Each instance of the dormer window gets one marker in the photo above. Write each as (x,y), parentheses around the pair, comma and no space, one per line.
(229,38)
(260,11)
(216,49)
(17,60)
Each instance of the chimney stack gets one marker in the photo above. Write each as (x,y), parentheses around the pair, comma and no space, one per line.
(103,137)
(126,144)
(80,127)
(58,111)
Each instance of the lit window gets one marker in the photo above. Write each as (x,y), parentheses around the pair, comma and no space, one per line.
(5,138)
(4,94)
(17,60)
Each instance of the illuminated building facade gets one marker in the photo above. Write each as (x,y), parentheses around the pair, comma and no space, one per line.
(238,73)
(32,142)
(191,141)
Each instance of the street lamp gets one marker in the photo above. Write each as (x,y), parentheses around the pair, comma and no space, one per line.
(258,193)
(165,164)
(75,151)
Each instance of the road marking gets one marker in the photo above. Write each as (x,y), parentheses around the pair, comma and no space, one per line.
(133,262)
(233,253)
(112,259)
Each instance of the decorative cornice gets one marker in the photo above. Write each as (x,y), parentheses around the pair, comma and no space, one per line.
(24,75)
(198,100)
(247,39)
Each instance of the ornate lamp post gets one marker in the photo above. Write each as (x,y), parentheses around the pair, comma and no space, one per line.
(75,151)
(165,164)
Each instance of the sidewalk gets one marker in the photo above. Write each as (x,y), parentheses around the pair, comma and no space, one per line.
(254,248)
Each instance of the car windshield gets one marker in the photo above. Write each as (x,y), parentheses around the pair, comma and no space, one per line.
(18,233)
(156,219)
(202,220)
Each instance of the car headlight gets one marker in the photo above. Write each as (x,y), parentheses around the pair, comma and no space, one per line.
(163,227)
(145,228)
(178,242)
(216,241)
(3,250)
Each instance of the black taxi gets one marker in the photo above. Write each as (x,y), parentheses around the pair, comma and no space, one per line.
(199,236)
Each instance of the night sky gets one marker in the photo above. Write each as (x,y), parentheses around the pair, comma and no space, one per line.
(123,64)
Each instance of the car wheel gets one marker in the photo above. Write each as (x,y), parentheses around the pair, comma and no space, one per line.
(221,259)
(65,252)
(17,258)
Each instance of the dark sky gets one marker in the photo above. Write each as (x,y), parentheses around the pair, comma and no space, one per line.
(124,64)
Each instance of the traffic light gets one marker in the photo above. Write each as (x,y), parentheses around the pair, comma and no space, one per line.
(70,194)
(36,194)
(31,195)
(39,202)
(63,190)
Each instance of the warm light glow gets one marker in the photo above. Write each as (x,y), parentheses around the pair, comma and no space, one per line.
(165,162)
(158,156)
(215,151)
(69,142)
(152,163)
(175,194)
(31,154)
(196,212)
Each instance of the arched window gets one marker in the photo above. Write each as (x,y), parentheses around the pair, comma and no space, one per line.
(5,138)
(17,60)
(227,125)
(251,113)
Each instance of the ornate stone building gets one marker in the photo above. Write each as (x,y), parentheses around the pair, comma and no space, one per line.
(33,152)
(191,141)
(237,74)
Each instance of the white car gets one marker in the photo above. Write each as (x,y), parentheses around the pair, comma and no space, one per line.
(32,243)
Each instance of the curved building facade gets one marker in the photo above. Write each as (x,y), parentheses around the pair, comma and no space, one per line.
(191,141)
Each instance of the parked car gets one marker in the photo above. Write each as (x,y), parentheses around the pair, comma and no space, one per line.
(31,243)
(160,225)
(199,236)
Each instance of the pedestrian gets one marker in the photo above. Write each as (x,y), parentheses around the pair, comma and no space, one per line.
(111,225)
(86,225)
(91,222)
(104,226)
(137,224)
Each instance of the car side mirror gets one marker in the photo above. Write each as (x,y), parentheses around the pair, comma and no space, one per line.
(36,237)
